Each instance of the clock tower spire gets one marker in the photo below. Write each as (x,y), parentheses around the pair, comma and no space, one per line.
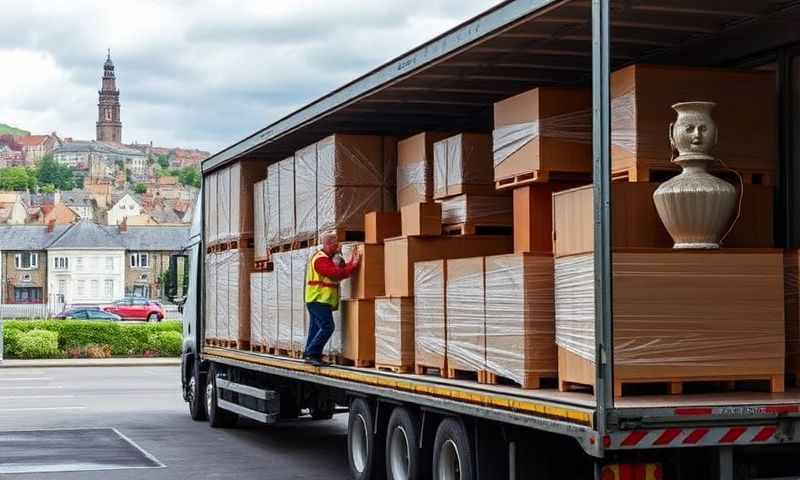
(109,125)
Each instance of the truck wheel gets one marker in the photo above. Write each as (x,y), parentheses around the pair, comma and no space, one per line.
(452,453)
(363,457)
(404,460)
(217,417)
(195,395)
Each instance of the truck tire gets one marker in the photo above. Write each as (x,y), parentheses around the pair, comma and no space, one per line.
(217,417)
(366,461)
(452,452)
(195,395)
(404,459)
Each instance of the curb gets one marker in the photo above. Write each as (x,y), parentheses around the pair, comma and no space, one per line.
(112,362)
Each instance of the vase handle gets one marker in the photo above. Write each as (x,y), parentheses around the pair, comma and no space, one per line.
(671,141)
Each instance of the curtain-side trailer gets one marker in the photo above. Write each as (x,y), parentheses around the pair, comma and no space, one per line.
(411,426)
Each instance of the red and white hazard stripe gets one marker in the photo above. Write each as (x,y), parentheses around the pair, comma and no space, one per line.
(692,437)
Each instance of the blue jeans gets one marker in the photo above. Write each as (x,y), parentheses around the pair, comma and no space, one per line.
(320,328)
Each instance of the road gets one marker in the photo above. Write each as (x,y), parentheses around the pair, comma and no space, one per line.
(144,405)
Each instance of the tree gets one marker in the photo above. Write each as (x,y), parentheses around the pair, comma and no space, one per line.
(53,173)
(163,161)
(17,178)
(128,175)
(47,188)
(140,188)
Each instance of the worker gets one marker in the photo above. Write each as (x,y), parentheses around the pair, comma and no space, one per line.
(322,294)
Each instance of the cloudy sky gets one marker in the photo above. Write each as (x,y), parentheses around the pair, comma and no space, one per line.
(198,73)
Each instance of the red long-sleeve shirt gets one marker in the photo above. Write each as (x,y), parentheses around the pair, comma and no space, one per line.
(327,268)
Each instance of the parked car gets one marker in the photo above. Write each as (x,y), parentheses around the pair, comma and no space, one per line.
(88,313)
(137,308)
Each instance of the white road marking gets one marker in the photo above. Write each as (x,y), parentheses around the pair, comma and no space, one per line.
(28,409)
(32,397)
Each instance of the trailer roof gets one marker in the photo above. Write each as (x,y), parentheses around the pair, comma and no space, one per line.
(451,81)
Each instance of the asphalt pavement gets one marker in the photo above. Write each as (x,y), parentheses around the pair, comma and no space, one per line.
(139,409)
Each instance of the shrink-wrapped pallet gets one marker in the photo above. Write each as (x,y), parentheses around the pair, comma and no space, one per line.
(236,292)
(463,164)
(430,327)
(299,259)
(282,262)
(286,197)
(269,309)
(415,168)
(272,202)
(678,316)
(466,314)
(306,198)
(520,318)
(210,202)
(257,310)
(224,205)
(542,133)
(221,290)
(478,210)
(394,333)
(260,220)
(210,314)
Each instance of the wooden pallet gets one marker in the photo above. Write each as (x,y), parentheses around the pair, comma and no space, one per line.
(456,374)
(281,352)
(542,176)
(530,381)
(428,370)
(677,386)
(356,363)
(394,368)
(260,348)
(661,174)
(473,229)
(283,247)
(263,265)
(241,243)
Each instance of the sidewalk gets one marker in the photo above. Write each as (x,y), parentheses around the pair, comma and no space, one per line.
(91,362)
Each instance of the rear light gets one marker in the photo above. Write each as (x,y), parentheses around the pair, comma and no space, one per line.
(632,471)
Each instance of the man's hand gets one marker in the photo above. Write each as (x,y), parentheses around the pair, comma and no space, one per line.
(355,259)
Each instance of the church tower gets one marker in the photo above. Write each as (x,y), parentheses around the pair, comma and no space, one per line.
(109,126)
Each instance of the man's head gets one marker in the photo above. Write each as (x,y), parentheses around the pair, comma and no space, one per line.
(330,245)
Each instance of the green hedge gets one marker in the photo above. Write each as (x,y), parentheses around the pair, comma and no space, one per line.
(75,336)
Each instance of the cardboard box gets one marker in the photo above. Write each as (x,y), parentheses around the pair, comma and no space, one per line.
(305,192)
(401,253)
(466,315)
(272,203)
(430,319)
(678,316)
(421,219)
(233,296)
(415,168)
(543,131)
(478,210)
(463,164)
(381,225)
(368,279)
(358,331)
(791,288)
(533,216)
(394,333)
(244,175)
(642,96)
(636,224)
(520,318)
(286,210)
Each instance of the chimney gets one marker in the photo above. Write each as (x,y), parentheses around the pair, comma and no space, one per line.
(123,227)
(51,225)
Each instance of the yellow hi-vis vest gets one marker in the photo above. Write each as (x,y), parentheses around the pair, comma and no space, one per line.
(318,288)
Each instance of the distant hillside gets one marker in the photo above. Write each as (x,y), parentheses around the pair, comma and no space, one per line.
(9,130)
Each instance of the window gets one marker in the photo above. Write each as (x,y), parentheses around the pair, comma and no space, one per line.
(110,264)
(140,260)
(60,263)
(26,261)
(79,264)
(27,295)
(81,288)
(109,286)
(95,288)
(62,287)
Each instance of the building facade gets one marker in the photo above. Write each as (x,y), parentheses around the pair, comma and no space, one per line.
(109,124)
(34,147)
(23,262)
(125,206)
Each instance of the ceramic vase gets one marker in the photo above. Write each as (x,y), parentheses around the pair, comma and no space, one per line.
(695,206)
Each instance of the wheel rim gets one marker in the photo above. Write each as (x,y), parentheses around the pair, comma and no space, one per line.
(192,393)
(209,398)
(152,317)
(449,462)
(359,444)
(399,454)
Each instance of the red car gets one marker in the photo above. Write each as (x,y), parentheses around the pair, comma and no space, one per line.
(136,308)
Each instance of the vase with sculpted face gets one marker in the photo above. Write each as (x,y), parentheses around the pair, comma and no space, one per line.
(695,206)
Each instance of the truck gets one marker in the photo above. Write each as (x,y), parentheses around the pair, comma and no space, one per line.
(408,426)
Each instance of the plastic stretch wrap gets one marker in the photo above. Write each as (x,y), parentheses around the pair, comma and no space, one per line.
(350,180)
(256,309)
(236,192)
(414,177)
(299,312)
(572,127)
(306,199)
(394,331)
(520,316)
(478,210)
(466,314)
(463,159)
(211,296)
(346,285)
(429,313)
(234,271)
(224,204)
(259,235)
(283,278)
(440,157)
(691,313)
(272,205)
(209,199)
(221,291)
(269,309)
(286,210)
(623,122)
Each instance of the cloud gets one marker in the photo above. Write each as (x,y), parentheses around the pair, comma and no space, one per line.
(198,73)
